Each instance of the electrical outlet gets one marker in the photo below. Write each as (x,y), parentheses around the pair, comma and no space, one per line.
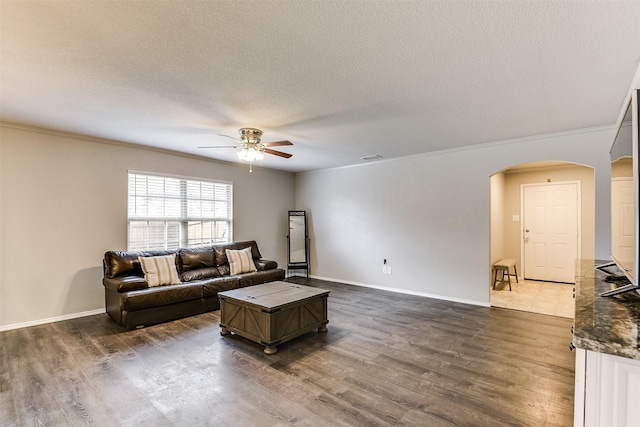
(384,269)
(388,270)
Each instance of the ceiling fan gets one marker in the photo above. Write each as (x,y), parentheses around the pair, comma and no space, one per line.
(251,149)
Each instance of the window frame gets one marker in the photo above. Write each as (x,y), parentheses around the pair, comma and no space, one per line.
(184,221)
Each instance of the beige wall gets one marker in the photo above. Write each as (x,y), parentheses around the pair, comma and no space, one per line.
(497,211)
(622,168)
(512,205)
(63,203)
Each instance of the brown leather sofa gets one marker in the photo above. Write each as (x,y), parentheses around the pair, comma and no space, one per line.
(203,273)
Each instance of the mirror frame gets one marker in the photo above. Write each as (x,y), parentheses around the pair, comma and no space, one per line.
(298,265)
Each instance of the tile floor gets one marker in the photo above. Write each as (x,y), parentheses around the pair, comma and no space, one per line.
(555,299)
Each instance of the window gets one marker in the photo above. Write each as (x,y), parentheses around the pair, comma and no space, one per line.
(171,212)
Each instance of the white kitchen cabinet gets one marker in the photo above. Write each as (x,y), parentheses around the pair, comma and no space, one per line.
(607,392)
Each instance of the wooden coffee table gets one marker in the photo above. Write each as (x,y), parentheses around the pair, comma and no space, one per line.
(273,313)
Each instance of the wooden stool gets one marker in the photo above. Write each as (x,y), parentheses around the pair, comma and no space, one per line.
(503,267)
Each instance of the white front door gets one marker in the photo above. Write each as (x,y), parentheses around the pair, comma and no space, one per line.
(550,231)
(622,220)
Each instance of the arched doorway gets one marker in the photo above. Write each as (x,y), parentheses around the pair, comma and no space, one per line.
(507,233)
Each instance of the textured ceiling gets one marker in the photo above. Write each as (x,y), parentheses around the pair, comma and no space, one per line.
(342,80)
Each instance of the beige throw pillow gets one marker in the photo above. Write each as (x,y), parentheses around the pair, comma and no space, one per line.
(160,270)
(240,261)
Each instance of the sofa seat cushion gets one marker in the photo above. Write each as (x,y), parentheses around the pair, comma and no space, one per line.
(211,287)
(199,274)
(159,296)
(258,277)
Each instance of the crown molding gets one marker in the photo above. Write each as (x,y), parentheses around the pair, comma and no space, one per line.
(635,84)
(475,147)
(95,139)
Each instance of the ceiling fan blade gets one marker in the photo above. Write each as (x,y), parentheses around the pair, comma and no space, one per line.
(229,136)
(277,143)
(277,153)
(220,146)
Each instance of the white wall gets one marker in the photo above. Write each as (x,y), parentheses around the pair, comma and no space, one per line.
(63,203)
(428,215)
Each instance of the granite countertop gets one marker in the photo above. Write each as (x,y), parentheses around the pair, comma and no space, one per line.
(607,325)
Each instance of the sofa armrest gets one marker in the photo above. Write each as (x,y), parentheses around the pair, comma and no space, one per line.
(265,264)
(125,283)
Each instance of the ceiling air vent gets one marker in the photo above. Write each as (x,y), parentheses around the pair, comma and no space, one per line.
(372,157)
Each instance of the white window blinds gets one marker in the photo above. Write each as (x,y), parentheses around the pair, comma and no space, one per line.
(170,212)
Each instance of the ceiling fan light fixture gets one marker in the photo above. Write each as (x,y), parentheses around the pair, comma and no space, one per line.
(250,154)
(251,149)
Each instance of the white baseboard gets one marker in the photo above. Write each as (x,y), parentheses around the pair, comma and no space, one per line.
(51,320)
(329,279)
(404,291)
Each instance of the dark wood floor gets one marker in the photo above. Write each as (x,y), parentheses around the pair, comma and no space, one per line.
(388,359)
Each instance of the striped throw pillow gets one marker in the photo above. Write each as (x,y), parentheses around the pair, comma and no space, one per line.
(160,270)
(240,261)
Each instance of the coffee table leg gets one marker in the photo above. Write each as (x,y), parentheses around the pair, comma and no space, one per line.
(322,328)
(224,332)
(270,349)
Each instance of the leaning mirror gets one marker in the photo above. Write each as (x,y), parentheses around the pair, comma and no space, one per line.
(298,242)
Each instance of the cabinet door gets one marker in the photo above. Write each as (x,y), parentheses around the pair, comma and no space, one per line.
(578,406)
(612,391)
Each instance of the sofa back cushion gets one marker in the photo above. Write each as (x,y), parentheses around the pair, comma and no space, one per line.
(119,263)
(196,258)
